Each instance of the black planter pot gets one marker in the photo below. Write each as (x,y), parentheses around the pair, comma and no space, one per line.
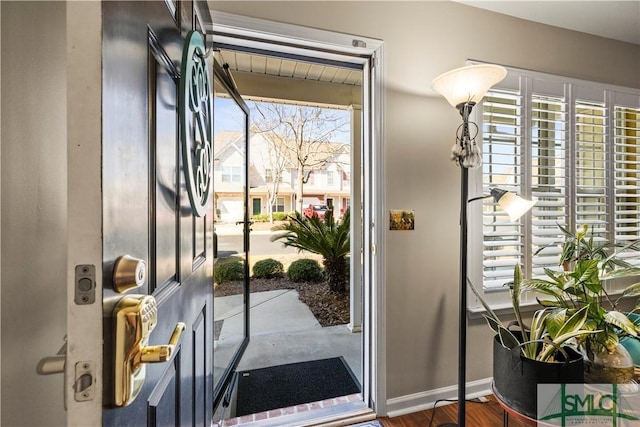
(516,378)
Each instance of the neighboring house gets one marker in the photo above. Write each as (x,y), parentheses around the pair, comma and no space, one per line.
(328,184)
(331,184)
(228,171)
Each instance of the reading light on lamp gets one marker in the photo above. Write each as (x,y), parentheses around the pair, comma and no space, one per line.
(515,206)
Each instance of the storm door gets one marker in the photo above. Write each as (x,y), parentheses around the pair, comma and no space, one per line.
(232,227)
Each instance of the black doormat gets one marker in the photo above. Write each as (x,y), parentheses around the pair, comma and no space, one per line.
(261,390)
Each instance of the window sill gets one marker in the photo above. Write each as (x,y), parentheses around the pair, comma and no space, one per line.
(475,313)
(503,309)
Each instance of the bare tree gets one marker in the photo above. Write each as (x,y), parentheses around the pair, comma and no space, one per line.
(303,134)
(276,161)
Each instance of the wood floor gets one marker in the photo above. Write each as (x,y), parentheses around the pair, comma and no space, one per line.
(487,414)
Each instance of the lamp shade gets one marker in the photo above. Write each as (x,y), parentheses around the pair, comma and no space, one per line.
(515,206)
(468,84)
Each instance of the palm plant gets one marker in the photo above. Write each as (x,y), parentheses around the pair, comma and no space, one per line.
(325,237)
(587,264)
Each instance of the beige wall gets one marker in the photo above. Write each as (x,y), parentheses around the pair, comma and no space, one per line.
(422,40)
(33,209)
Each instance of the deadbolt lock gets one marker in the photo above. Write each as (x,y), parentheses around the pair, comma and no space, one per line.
(135,317)
(128,273)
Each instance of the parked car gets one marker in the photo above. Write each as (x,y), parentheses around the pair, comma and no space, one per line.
(316,210)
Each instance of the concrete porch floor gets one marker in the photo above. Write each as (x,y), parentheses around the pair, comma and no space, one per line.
(283,330)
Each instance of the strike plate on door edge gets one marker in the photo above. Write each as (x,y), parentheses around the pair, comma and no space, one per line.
(85,284)
(84,386)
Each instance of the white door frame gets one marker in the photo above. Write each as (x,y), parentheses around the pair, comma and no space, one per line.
(258,33)
(84,203)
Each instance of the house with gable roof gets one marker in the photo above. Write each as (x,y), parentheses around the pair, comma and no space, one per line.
(273,168)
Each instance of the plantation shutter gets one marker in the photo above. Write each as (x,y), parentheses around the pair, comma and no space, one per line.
(502,241)
(592,163)
(571,146)
(626,136)
(549,174)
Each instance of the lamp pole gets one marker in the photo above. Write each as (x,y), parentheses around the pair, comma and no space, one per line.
(463,88)
(466,156)
(462,325)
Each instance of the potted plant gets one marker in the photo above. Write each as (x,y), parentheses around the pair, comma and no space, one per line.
(580,316)
(579,287)
(533,354)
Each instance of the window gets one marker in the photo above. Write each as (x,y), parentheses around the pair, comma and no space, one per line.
(627,191)
(573,147)
(278,206)
(231,173)
(329,177)
(268,176)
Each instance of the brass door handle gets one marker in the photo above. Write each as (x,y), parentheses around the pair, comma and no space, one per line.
(162,353)
(135,317)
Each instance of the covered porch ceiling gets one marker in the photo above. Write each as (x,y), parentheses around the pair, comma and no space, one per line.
(264,77)
(287,68)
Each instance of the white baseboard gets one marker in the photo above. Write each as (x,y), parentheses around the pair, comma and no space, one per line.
(426,399)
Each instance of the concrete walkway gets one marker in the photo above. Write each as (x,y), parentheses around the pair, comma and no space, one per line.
(282,330)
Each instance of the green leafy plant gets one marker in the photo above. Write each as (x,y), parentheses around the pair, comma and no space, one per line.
(325,237)
(550,329)
(228,270)
(587,264)
(268,269)
(280,216)
(260,218)
(305,270)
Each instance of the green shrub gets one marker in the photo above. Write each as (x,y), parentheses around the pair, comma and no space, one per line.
(277,216)
(228,271)
(305,270)
(280,216)
(268,269)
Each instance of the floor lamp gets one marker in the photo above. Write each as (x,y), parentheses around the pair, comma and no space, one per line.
(464,88)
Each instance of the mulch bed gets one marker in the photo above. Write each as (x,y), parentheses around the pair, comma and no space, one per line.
(328,307)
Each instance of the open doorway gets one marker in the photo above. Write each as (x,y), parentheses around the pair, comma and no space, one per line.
(284,41)
(304,153)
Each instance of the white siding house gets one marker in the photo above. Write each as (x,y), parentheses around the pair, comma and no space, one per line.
(328,184)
